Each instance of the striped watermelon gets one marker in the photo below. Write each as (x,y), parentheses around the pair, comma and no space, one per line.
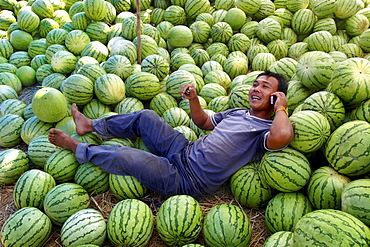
(130,22)
(176,116)
(143,85)
(323,8)
(126,187)
(176,80)
(10,79)
(53,80)
(80,21)
(91,71)
(56,36)
(92,178)
(194,8)
(200,30)
(179,220)
(8,67)
(320,41)
(250,7)
(297,50)
(239,97)
(325,188)
(157,65)
(303,21)
(7,92)
(90,137)
(64,200)
(98,31)
(130,223)
(161,102)
(76,41)
(175,14)
(286,66)
(286,170)
(43,8)
(314,69)
(63,62)
(187,132)
(329,105)
(62,165)
(13,162)
(311,130)
(20,58)
(200,57)
(249,188)
(256,49)
(352,50)
(78,89)
(31,188)
(221,32)
(11,125)
(219,103)
(357,24)
(95,9)
(364,41)
(330,227)
(212,90)
(12,106)
(262,61)
(26,227)
(326,24)
(231,221)
(266,9)
(38,61)
(280,238)
(52,49)
(40,149)
(285,209)
(97,50)
(109,89)
(268,29)
(351,157)
(347,8)
(43,71)
(349,81)
(235,66)
(362,111)
(95,109)
(6,48)
(279,48)
(86,226)
(34,127)
(129,104)
(118,141)
(355,197)
(118,65)
(28,21)
(219,77)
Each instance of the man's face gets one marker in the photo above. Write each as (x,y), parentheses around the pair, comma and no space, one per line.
(260,93)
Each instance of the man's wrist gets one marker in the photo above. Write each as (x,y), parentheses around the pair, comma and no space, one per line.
(283,109)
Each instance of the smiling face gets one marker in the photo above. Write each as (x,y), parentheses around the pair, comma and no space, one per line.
(260,93)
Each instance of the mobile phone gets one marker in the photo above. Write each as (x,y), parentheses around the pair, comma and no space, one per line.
(272,99)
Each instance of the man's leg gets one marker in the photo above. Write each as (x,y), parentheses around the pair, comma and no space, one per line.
(156,173)
(159,137)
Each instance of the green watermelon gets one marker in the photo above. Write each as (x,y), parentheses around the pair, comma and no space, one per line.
(11,125)
(13,163)
(49,105)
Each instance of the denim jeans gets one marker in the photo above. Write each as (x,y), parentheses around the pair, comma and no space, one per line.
(163,170)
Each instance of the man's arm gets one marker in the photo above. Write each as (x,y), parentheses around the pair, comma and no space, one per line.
(281,131)
(199,117)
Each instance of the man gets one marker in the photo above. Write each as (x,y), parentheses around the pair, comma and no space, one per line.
(176,165)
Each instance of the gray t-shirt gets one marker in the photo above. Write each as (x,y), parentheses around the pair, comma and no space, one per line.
(238,138)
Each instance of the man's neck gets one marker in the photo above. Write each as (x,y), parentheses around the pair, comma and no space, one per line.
(261,114)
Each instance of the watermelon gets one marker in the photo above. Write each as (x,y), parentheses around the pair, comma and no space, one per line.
(92,178)
(34,127)
(126,187)
(285,209)
(219,77)
(219,103)
(130,223)
(227,225)
(349,81)
(322,227)
(129,104)
(7,92)
(325,188)
(11,125)
(31,189)
(95,9)
(13,162)
(63,62)
(179,220)
(90,137)
(10,79)
(347,8)
(86,226)
(76,41)
(249,188)
(143,85)
(280,238)
(355,199)
(314,69)
(250,7)
(303,21)
(329,105)
(286,170)
(64,200)
(49,105)
(350,157)
(311,130)
(95,109)
(62,165)
(118,65)
(176,80)
(239,97)
(97,50)
(109,88)
(28,21)
(28,226)
(40,149)
(161,102)
(78,89)
(12,106)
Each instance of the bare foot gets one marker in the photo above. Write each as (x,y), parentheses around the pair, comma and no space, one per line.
(83,124)
(61,139)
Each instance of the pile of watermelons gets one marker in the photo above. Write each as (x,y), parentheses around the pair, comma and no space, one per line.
(120,56)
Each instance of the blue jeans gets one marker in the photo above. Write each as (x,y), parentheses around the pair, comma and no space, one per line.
(163,170)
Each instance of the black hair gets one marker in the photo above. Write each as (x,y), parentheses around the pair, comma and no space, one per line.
(283,83)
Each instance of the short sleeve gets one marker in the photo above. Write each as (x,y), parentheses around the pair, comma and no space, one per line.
(265,143)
